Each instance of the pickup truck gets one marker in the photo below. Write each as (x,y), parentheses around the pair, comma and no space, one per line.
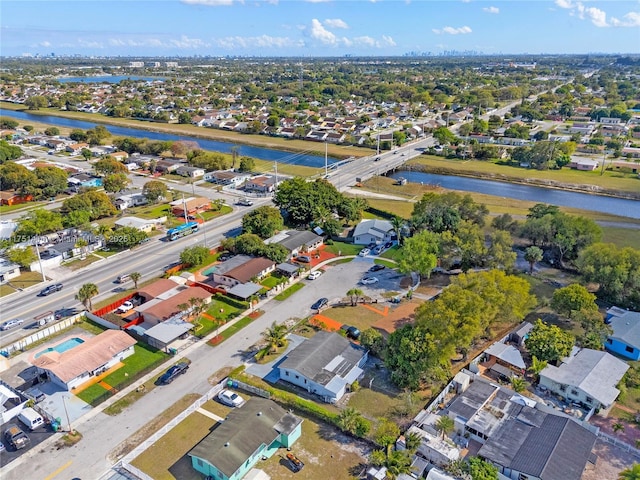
(16,437)
(294,462)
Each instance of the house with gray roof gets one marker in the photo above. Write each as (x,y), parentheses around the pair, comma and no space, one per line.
(373,231)
(589,378)
(325,365)
(256,430)
(625,340)
(539,445)
(506,360)
(297,241)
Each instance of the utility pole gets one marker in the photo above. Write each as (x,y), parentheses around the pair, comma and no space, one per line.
(326,170)
(276,167)
(184,209)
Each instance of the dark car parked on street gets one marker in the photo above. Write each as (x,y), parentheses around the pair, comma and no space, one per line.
(56,287)
(377,267)
(168,376)
(320,304)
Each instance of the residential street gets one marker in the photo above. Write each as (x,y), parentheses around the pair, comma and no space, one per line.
(102,434)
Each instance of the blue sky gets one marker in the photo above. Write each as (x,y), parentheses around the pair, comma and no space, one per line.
(316,27)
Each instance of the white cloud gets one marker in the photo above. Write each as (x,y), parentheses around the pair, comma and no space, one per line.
(495,10)
(453,30)
(211,3)
(262,41)
(44,44)
(185,42)
(564,3)
(335,23)
(318,32)
(631,19)
(597,16)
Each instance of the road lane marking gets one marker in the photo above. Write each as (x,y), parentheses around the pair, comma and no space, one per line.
(65,466)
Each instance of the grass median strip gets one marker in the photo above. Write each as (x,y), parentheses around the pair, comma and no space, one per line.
(289,291)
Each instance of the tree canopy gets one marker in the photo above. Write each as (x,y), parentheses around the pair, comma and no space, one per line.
(264,221)
(548,342)
(444,212)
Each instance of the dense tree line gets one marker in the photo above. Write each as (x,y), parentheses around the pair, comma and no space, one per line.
(9,152)
(470,308)
(42,182)
(251,244)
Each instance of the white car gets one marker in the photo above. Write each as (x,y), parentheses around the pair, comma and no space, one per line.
(125,307)
(364,252)
(369,280)
(11,323)
(230,398)
(314,275)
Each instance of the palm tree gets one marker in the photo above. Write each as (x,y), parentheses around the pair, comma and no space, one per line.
(537,366)
(618,427)
(86,293)
(183,307)
(82,244)
(518,384)
(348,420)
(103,230)
(354,293)
(631,473)
(412,441)
(445,425)
(397,223)
(135,276)
(275,336)
(532,255)
(398,462)
(197,306)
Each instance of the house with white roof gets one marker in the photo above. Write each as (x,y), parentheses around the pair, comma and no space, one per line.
(325,365)
(142,224)
(373,231)
(589,377)
(625,339)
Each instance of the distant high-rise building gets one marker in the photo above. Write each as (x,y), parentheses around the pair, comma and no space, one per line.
(171,64)
(136,64)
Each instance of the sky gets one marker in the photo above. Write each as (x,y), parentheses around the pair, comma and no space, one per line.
(311,28)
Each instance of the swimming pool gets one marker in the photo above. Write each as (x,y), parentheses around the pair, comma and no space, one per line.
(62,347)
(209,270)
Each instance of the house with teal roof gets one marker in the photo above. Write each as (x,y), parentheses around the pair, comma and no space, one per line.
(249,433)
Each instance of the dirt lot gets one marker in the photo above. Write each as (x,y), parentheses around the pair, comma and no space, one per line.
(611,461)
(326,452)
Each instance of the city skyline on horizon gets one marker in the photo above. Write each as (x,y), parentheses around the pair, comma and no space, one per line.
(317,28)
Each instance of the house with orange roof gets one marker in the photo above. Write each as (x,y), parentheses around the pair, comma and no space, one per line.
(169,304)
(90,357)
(157,288)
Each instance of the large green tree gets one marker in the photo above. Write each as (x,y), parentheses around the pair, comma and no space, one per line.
(419,254)
(126,237)
(22,256)
(301,200)
(53,180)
(154,190)
(115,182)
(14,176)
(38,222)
(573,298)
(264,221)
(109,166)
(615,270)
(444,212)
(98,204)
(548,342)
(193,256)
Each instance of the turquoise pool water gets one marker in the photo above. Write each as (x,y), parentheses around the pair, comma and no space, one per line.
(62,347)
(209,271)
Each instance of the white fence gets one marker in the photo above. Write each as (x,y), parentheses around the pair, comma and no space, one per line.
(619,443)
(23,343)
(125,462)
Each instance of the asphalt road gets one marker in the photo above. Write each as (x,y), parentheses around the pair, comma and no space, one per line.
(102,434)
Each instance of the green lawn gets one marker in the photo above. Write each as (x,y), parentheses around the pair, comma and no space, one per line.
(26,280)
(209,214)
(151,211)
(210,259)
(394,253)
(386,263)
(236,327)
(224,308)
(622,237)
(4,209)
(79,263)
(271,281)
(357,316)
(6,290)
(611,180)
(141,361)
(342,248)
(289,291)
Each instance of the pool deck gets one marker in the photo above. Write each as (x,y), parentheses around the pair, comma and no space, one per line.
(54,343)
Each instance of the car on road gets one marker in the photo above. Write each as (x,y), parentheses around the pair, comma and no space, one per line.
(364,252)
(11,323)
(169,376)
(322,302)
(125,307)
(230,398)
(404,154)
(377,267)
(377,159)
(15,437)
(245,202)
(369,280)
(56,287)
(314,275)
(351,331)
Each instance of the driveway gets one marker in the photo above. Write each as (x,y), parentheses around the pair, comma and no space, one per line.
(268,371)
